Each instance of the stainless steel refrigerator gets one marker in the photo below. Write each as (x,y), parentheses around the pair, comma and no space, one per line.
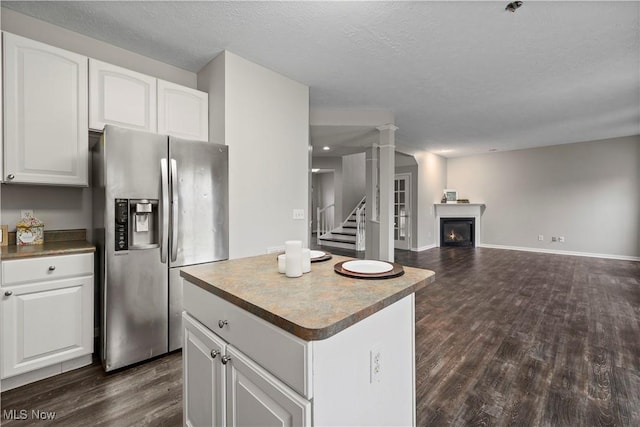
(159,203)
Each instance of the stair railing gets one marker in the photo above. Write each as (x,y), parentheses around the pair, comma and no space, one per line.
(324,221)
(360,226)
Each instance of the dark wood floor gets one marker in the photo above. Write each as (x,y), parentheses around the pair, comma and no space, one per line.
(502,338)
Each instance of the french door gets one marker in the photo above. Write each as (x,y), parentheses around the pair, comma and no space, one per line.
(401,211)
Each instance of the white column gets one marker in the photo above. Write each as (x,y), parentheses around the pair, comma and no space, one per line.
(372,249)
(386,179)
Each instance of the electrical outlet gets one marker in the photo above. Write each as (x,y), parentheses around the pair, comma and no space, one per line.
(540,237)
(561,239)
(554,239)
(298,214)
(375,364)
(26,213)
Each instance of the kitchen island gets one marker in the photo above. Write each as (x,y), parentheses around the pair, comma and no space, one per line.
(321,349)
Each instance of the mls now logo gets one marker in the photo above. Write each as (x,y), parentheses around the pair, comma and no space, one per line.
(15,414)
(23,414)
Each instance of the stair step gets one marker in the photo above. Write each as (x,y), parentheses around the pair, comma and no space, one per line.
(336,240)
(345,232)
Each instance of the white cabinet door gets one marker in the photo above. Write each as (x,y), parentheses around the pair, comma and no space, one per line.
(46,323)
(257,398)
(121,97)
(182,111)
(45,114)
(204,379)
(1,120)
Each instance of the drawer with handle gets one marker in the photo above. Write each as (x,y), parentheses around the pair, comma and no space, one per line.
(20,271)
(286,356)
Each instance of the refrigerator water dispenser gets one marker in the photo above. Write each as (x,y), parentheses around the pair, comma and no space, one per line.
(144,229)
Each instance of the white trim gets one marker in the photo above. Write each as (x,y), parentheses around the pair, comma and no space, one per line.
(559,252)
(424,248)
(388,126)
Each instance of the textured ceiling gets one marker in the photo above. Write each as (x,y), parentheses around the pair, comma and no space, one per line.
(460,76)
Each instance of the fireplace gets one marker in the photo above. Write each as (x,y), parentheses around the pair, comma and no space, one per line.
(457,232)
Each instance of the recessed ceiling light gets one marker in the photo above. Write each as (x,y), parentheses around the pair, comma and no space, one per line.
(446,150)
(326,148)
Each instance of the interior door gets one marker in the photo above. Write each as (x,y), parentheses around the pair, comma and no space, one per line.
(401,211)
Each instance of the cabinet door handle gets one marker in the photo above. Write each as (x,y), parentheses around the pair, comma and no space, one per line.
(225,359)
(8,293)
(221,323)
(11,176)
(52,267)
(214,353)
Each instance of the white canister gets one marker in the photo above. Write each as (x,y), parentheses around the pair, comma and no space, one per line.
(293,253)
(306,260)
(282,266)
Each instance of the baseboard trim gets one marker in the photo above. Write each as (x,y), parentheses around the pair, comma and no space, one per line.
(423,248)
(559,252)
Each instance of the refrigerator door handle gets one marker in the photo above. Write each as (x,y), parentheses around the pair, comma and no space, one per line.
(165,210)
(175,210)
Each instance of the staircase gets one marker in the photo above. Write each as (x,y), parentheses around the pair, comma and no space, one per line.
(349,235)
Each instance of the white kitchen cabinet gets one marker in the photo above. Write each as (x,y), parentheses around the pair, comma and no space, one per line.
(362,375)
(1,120)
(45,114)
(204,379)
(182,111)
(47,316)
(222,386)
(121,97)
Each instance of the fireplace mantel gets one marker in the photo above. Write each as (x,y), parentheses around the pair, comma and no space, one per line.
(459,210)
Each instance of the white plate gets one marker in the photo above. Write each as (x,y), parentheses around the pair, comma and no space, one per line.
(367,266)
(317,254)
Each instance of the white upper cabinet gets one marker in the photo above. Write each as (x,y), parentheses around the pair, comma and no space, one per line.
(121,97)
(182,111)
(45,114)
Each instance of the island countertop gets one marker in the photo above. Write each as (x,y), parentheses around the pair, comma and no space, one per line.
(315,306)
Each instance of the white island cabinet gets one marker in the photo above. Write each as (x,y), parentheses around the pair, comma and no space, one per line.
(47,317)
(263,349)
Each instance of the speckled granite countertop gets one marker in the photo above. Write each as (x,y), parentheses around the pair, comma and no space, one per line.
(56,242)
(313,307)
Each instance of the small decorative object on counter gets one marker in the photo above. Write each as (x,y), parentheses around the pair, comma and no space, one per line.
(463,200)
(29,231)
(282,263)
(293,252)
(306,260)
(444,198)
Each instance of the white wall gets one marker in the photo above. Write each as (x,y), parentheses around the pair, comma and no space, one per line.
(266,126)
(53,35)
(335,164)
(432,178)
(61,207)
(588,192)
(353,181)
(323,194)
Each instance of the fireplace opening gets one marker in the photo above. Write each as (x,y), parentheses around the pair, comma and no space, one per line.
(457,232)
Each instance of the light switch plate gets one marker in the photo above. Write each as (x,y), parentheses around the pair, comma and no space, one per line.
(298,214)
